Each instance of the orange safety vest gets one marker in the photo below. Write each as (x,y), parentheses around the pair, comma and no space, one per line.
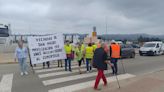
(115,50)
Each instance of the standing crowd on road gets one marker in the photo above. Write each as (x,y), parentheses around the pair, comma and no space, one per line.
(94,55)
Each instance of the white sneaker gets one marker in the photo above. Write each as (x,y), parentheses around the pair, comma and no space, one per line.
(26,73)
(21,74)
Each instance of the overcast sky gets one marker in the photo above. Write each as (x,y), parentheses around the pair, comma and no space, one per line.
(79,16)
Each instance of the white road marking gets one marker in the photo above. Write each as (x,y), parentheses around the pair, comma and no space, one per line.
(59,73)
(88,84)
(40,66)
(6,83)
(70,78)
(54,69)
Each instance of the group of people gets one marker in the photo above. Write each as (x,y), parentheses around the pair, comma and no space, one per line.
(93,55)
(97,56)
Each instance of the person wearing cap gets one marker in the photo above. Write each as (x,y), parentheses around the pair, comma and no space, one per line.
(100,61)
(115,54)
(68,50)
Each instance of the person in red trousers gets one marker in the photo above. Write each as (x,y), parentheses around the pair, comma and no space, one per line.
(100,62)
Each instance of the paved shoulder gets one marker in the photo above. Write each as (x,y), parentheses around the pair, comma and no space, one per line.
(6,83)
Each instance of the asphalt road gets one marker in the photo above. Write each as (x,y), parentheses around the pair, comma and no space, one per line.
(32,83)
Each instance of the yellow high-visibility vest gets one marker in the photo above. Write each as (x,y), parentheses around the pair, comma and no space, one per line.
(68,49)
(94,47)
(82,47)
(89,52)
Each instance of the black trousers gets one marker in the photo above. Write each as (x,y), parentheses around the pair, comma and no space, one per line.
(48,64)
(60,64)
(114,67)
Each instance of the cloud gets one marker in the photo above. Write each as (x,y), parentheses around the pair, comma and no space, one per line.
(79,16)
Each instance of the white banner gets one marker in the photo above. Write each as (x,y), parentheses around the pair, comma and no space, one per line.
(46,48)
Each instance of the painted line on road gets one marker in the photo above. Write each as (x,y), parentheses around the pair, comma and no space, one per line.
(59,73)
(54,69)
(6,83)
(70,78)
(52,65)
(88,84)
(40,66)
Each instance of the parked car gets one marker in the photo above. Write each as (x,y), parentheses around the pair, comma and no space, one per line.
(127,51)
(135,45)
(152,48)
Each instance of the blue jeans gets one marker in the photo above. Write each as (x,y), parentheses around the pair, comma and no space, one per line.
(114,67)
(88,64)
(68,64)
(23,64)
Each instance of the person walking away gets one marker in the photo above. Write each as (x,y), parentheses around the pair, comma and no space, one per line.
(79,56)
(68,50)
(115,54)
(21,54)
(100,62)
(89,56)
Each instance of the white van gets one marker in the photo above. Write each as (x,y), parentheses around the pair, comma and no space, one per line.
(152,48)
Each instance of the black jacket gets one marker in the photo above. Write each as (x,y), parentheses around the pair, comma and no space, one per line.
(99,58)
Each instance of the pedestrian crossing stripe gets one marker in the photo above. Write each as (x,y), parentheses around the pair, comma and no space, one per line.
(88,84)
(58,73)
(40,66)
(70,78)
(54,69)
(6,83)
(48,74)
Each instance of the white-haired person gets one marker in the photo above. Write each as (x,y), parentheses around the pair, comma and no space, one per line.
(100,61)
(21,54)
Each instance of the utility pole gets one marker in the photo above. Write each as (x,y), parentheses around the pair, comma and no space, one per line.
(106,22)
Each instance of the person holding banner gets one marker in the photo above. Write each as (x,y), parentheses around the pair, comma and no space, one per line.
(89,56)
(48,64)
(100,62)
(79,56)
(60,64)
(68,50)
(21,54)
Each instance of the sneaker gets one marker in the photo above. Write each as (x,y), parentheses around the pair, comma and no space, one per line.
(26,73)
(21,74)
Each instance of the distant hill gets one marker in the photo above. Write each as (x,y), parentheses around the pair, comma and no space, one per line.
(128,36)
